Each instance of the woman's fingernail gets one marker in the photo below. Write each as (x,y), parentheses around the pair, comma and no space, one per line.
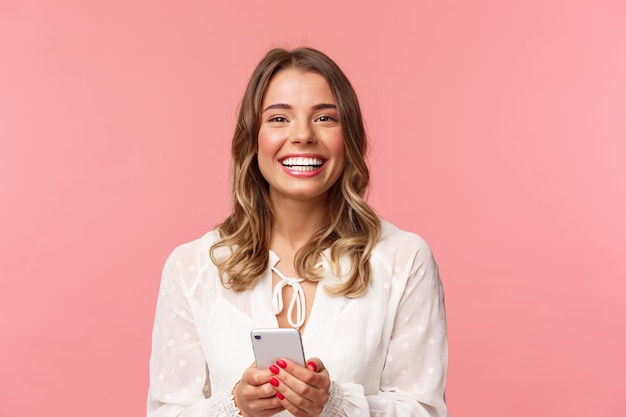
(280,396)
(274,381)
(275,369)
(281,363)
(312,365)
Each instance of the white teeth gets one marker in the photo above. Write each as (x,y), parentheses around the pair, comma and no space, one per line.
(302,164)
(303,167)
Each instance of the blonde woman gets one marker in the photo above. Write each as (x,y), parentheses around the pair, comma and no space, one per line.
(371,309)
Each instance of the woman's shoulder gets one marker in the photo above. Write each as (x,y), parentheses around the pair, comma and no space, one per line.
(192,251)
(397,245)
(393,236)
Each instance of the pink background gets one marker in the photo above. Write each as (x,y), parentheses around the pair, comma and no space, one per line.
(498,132)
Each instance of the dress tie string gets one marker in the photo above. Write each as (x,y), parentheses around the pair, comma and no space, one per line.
(297,298)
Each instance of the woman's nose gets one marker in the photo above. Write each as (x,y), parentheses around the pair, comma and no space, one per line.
(302,133)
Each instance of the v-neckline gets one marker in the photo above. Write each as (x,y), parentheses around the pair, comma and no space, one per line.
(319,291)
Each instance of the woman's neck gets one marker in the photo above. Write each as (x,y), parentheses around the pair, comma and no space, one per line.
(295,222)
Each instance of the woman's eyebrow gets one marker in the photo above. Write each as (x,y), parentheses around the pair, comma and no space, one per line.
(324,106)
(281,106)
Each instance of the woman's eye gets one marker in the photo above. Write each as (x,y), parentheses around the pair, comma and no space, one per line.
(278,119)
(326,119)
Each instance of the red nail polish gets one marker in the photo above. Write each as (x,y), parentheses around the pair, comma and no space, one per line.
(275,369)
(280,396)
(274,381)
(312,365)
(281,363)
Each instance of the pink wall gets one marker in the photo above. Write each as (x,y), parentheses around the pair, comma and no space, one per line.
(499,134)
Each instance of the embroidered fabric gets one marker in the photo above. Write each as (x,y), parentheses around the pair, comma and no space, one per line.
(229,408)
(298,301)
(402,312)
(335,401)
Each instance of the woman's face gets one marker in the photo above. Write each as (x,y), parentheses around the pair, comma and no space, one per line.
(300,142)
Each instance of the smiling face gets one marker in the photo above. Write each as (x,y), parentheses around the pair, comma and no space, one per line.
(300,141)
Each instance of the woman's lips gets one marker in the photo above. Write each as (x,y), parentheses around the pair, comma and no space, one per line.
(302,166)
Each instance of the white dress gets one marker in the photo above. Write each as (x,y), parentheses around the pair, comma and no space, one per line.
(385,351)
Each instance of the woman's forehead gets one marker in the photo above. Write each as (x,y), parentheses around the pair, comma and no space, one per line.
(293,86)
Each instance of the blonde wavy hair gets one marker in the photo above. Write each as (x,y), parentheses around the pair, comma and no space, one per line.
(352,227)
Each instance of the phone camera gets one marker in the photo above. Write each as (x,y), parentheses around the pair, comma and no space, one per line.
(257,336)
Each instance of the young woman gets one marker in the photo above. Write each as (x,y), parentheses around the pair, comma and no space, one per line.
(365,295)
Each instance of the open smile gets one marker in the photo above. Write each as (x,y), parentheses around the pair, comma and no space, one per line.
(302,164)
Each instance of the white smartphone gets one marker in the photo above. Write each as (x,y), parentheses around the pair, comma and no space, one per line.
(270,345)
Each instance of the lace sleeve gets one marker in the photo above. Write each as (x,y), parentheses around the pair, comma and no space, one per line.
(335,401)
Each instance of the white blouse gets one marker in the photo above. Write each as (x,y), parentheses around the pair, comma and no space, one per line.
(385,351)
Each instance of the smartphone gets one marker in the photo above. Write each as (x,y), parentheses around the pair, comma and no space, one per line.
(271,344)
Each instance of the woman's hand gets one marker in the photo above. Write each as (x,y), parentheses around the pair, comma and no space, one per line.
(302,391)
(254,396)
